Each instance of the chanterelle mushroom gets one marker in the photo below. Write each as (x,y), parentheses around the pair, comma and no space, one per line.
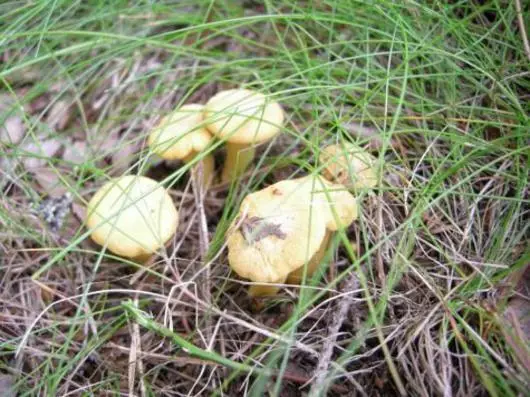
(243,118)
(133,216)
(182,135)
(283,227)
(349,165)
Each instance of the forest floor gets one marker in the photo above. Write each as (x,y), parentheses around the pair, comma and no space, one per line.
(427,296)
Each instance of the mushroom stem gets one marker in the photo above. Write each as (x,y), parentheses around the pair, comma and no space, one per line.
(203,171)
(238,158)
(146,257)
(256,291)
(296,276)
(142,258)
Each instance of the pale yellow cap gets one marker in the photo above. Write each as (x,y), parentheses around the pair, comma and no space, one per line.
(132,215)
(180,134)
(350,165)
(283,226)
(243,116)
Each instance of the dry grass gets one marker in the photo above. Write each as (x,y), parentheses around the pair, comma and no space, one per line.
(426,294)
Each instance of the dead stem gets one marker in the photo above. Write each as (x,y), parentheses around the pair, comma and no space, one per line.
(337,320)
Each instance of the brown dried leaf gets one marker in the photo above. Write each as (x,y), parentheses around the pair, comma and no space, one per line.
(79,211)
(42,151)
(59,115)
(38,104)
(49,181)
(519,308)
(76,153)
(517,315)
(12,131)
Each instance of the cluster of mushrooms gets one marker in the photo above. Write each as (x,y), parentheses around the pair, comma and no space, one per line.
(280,233)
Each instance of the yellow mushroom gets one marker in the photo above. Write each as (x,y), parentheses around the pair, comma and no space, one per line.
(182,135)
(349,165)
(133,216)
(285,227)
(243,118)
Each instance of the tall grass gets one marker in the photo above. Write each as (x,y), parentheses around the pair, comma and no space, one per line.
(437,90)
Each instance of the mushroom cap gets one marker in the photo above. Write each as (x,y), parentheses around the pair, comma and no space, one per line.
(282,227)
(133,215)
(349,165)
(243,116)
(180,134)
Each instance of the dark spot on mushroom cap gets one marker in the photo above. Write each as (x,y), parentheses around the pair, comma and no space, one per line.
(255,229)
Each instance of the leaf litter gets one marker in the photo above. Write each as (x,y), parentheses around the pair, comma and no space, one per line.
(327,328)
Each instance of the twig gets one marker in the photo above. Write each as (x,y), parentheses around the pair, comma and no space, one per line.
(132,362)
(139,361)
(135,359)
(199,191)
(324,359)
(379,255)
(522,28)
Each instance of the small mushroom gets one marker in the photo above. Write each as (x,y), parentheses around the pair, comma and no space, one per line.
(285,226)
(182,135)
(243,118)
(133,216)
(349,165)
